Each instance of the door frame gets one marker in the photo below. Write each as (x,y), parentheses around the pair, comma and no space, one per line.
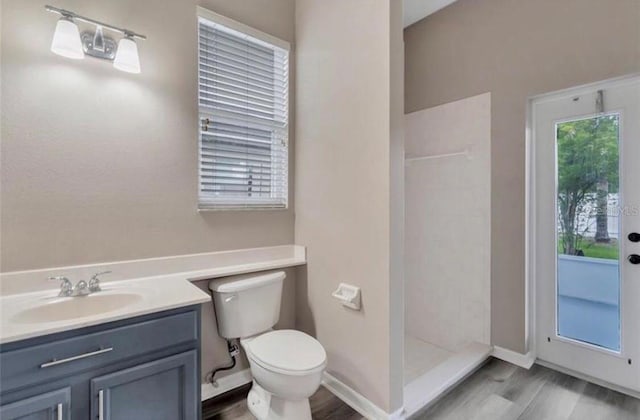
(531,225)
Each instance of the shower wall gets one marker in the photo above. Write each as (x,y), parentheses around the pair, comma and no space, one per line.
(448,224)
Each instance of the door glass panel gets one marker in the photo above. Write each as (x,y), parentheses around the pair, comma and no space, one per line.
(588,277)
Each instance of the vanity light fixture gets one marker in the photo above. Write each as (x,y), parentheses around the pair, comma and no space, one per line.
(66,39)
(127,55)
(68,42)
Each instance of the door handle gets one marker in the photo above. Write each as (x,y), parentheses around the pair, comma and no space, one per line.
(634,237)
(634,258)
(60,411)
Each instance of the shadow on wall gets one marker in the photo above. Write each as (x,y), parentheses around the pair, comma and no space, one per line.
(351,375)
(304,314)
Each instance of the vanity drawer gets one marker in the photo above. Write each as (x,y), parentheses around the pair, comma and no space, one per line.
(67,356)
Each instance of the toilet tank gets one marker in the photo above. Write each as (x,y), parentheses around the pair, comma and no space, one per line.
(247,305)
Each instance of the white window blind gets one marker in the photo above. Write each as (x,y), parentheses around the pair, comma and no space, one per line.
(244,107)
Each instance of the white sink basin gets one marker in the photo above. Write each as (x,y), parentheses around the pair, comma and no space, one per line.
(66,308)
(35,314)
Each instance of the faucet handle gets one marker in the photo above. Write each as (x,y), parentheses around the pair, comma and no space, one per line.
(63,279)
(101,273)
(94,282)
(66,288)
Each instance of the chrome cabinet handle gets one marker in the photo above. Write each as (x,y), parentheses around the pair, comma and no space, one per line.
(78,357)
(60,411)
(101,405)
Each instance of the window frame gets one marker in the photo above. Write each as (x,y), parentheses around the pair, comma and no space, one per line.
(242,203)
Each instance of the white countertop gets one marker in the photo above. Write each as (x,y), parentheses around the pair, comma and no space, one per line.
(154,294)
(158,284)
(193,267)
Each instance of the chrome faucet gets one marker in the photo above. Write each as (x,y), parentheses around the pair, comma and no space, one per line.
(94,282)
(82,288)
(66,288)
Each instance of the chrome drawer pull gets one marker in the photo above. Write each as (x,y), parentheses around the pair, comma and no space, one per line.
(78,357)
(60,411)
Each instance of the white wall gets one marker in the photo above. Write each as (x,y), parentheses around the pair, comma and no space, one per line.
(448,224)
(347,143)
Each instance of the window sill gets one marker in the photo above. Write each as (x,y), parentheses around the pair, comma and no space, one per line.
(239,208)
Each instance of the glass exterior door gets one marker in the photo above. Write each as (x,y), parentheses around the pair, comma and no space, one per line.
(586,211)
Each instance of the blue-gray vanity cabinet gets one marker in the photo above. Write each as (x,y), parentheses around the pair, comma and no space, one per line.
(54,405)
(66,354)
(158,390)
(148,364)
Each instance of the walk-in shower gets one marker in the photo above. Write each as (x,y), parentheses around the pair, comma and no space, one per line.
(447,246)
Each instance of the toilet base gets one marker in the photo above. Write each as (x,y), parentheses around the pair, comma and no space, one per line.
(266,406)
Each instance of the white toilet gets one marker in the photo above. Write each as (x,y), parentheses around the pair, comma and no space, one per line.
(286,365)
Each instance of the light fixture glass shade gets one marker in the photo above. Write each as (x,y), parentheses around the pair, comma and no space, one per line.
(66,39)
(127,56)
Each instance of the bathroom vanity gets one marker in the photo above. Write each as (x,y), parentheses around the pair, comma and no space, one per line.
(128,350)
(125,349)
(146,367)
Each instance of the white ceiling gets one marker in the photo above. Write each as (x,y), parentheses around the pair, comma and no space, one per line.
(414,10)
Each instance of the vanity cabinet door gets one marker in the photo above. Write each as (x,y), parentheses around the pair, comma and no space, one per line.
(165,389)
(53,405)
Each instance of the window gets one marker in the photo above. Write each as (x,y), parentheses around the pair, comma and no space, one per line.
(243,107)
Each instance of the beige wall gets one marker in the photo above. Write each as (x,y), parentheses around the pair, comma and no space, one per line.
(397,204)
(100,165)
(347,108)
(514,49)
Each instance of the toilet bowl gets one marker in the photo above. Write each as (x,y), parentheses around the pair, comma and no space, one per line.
(286,365)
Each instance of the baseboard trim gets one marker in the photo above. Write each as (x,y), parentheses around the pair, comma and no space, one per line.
(357,401)
(518,359)
(225,384)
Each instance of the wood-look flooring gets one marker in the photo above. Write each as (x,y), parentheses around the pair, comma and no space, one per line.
(502,391)
(233,405)
(497,391)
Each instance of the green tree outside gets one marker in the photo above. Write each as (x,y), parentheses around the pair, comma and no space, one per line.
(588,165)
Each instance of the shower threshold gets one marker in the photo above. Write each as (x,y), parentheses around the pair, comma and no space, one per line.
(423,391)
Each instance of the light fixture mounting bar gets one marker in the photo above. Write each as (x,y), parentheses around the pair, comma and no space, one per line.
(73,15)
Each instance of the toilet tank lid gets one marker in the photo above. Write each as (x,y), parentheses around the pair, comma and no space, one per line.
(239,283)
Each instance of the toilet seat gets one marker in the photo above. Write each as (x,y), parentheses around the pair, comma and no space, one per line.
(289,352)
